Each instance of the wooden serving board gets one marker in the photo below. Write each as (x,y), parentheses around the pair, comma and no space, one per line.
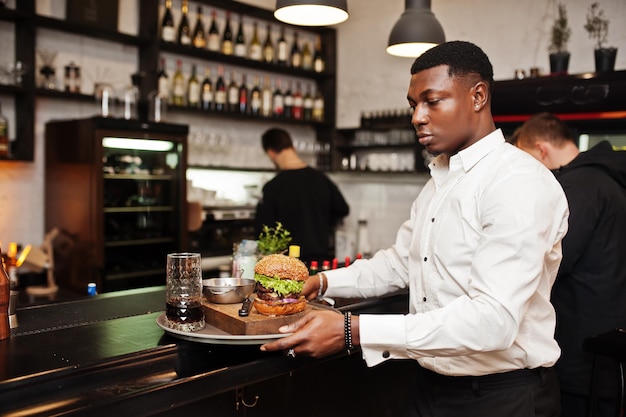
(226,317)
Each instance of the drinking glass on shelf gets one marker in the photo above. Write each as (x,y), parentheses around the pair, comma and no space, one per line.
(183,292)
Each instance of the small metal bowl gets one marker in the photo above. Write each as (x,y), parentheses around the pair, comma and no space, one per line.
(227,290)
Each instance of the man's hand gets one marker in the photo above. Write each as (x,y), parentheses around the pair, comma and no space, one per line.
(317,334)
(311,287)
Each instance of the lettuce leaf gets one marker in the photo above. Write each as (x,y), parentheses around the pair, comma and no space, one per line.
(282,287)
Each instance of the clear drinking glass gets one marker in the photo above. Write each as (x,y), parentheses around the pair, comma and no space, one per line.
(183,292)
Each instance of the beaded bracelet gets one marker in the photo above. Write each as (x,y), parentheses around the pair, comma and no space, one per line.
(320,291)
(347,331)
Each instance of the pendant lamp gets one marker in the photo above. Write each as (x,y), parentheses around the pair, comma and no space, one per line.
(416,31)
(311,12)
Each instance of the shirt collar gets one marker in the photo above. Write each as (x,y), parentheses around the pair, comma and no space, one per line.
(470,156)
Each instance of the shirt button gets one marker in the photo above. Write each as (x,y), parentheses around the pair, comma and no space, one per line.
(386,354)
(425,258)
(424,299)
(432,220)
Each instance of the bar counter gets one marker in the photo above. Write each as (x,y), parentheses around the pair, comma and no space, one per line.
(106,355)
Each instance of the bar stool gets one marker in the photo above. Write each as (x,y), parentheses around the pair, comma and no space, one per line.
(611,344)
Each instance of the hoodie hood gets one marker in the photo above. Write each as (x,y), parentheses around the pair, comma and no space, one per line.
(603,156)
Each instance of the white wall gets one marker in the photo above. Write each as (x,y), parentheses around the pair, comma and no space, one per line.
(514,34)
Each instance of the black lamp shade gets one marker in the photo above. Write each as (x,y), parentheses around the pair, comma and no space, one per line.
(416,31)
(311,12)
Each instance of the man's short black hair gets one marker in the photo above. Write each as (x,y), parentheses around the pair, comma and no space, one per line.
(462,58)
(276,139)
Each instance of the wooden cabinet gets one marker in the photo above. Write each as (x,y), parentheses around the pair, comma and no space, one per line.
(119,189)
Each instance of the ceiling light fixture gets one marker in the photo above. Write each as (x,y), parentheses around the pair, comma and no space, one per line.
(311,12)
(416,31)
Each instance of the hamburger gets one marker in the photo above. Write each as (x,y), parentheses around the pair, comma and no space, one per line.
(280,280)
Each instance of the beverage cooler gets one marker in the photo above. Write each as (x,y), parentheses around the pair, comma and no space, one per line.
(592,104)
(117,189)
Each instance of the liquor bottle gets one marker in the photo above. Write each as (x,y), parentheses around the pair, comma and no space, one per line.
(220,90)
(178,86)
(318,59)
(213,43)
(240,40)
(5,149)
(5,292)
(318,107)
(288,101)
(362,238)
(163,87)
(266,98)
(206,100)
(278,102)
(307,104)
(268,46)
(199,39)
(255,50)
(281,55)
(227,37)
(233,93)
(255,98)
(243,96)
(168,33)
(296,109)
(307,57)
(184,31)
(193,89)
(295,57)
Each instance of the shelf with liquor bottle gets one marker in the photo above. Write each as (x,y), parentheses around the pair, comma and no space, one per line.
(119,188)
(249,66)
(385,142)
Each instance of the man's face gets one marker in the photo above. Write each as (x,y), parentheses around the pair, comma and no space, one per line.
(443,110)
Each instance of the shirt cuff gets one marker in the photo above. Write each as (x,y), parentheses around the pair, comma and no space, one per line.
(382,337)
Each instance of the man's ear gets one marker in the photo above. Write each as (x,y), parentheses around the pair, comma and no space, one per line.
(544,148)
(480,95)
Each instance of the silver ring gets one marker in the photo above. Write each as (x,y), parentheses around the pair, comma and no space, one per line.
(291,353)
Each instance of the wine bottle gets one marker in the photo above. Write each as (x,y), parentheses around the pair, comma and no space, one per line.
(199,39)
(193,89)
(255,98)
(255,51)
(307,57)
(243,95)
(307,104)
(296,109)
(233,93)
(184,31)
(288,101)
(318,107)
(163,81)
(318,58)
(178,86)
(295,57)
(278,102)
(5,294)
(268,46)
(266,98)
(240,40)
(213,43)
(227,37)
(168,33)
(281,56)
(220,90)
(206,101)
(5,145)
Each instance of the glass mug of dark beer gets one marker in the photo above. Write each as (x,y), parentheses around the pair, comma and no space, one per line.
(183,292)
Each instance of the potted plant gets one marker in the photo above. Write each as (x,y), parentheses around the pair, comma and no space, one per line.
(597,26)
(559,36)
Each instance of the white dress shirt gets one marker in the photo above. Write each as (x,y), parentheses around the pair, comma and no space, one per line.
(479,255)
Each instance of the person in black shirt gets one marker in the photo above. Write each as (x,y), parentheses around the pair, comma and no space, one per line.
(307,203)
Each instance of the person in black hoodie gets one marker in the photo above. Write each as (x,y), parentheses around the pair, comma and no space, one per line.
(589,294)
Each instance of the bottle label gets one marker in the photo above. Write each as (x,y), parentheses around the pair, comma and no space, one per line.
(220,97)
(194,93)
(233,95)
(227,48)
(168,34)
(207,95)
(318,65)
(240,49)
(256,52)
(179,89)
(163,87)
(185,40)
(214,42)
(282,52)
